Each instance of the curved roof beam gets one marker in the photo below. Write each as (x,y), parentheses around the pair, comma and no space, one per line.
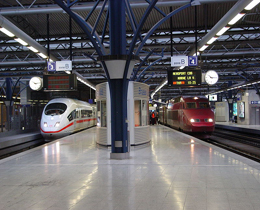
(88,6)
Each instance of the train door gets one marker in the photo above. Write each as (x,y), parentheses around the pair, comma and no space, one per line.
(77,121)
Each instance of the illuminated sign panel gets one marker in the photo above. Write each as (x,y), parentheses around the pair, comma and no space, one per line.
(184,78)
(59,82)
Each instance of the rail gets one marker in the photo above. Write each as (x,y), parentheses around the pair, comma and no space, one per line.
(242,143)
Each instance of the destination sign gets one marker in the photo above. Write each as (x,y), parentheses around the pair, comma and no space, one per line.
(59,82)
(184,78)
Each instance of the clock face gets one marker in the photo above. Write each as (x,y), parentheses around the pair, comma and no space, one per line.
(211,77)
(35,83)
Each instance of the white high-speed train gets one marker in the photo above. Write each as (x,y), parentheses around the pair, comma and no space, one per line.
(64,116)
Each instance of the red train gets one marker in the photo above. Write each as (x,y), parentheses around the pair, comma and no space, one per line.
(189,114)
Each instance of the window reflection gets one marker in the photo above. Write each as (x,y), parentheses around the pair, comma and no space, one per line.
(141,113)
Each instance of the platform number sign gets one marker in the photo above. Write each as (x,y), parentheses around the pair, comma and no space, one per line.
(184,61)
(193,61)
(51,66)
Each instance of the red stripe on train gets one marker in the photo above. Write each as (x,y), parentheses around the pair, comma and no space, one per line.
(78,121)
(58,130)
(86,120)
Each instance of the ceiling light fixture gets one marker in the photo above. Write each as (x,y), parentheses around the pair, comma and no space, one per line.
(222,31)
(213,39)
(8,33)
(42,55)
(203,47)
(236,18)
(21,41)
(252,4)
(32,49)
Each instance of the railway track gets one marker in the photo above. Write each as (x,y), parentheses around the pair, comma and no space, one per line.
(14,144)
(242,143)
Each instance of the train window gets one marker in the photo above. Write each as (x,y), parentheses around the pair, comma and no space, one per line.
(137,110)
(55,109)
(204,105)
(177,100)
(102,113)
(144,113)
(86,113)
(191,105)
(72,115)
(141,113)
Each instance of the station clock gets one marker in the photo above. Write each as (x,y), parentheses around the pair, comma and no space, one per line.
(36,83)
(211,77)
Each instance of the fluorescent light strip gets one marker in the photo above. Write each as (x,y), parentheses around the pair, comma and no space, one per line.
(203,47)
(213,39)
(8,33)
(42,55)
(21,41)
(159,88)
(222,31)
(84,82)
(32,49)
(196,54)
(252,4)
(236,18)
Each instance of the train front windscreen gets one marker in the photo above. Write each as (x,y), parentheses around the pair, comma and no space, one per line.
(55,109)
(194,105)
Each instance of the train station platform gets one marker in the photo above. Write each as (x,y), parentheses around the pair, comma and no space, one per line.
(255,129)
(174,171)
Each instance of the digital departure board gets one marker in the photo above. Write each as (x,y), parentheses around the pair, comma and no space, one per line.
(59,82)
(184,78)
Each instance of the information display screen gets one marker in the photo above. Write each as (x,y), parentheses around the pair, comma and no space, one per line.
(241,109)
(59,82)
(184,78)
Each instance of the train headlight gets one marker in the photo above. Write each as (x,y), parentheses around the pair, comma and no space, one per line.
(45,124)
(194,120)
(210,120)
(57,124)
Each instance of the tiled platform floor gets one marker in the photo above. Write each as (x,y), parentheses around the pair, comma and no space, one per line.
(175,171)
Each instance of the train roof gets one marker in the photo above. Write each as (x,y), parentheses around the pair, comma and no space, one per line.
(187,98)
(68,100)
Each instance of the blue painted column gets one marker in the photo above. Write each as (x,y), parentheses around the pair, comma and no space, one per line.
(117,27)
(119,66)
(118,85)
